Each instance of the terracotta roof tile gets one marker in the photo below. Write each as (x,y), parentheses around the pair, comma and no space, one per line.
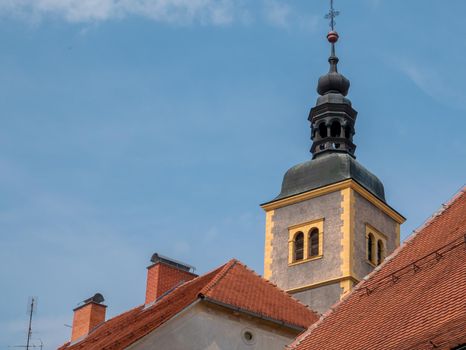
(123,330)
(232,284)
(415,300)
(265,299)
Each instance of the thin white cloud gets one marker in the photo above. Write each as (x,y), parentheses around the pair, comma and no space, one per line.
(281,14)
(181,247)
(278,13)
(216,12)
(425,80)
(441,87)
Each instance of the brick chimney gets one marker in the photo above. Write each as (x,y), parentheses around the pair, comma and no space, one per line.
(88,316)
(165,274)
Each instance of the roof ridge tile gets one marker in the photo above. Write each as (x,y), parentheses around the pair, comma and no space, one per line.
(218,277)
(181,285)
(288,295)
(231,288)
(461,192)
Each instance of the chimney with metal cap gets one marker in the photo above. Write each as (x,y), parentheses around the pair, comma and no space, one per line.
(88,316)
(164,274)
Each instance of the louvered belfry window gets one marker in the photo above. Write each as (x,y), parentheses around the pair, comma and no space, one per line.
(299,246)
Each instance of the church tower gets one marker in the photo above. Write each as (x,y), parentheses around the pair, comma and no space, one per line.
(330,225)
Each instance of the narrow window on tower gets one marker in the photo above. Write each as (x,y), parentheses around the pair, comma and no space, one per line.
(376,242)
(348,132)
(380,252)
(335,129)
(314,243)
(322,130)
(299,247)
(370,247)
(305,242)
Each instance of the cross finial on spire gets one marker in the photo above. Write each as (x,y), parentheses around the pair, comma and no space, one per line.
(331,15)
(332,36)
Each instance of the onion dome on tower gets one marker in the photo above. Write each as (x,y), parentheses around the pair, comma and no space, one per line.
(333,118)
(332,129)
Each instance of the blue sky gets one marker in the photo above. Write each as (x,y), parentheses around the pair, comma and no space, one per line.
(136,126)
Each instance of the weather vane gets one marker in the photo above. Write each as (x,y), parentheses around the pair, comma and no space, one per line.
(332,36)
(331,15)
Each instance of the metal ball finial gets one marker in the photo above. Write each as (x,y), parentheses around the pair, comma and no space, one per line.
(332,37)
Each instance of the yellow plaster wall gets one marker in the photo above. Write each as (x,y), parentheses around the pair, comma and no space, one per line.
(397,235)
(347,216)
(268,243)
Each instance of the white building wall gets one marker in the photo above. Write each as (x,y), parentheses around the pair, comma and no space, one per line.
(206,326)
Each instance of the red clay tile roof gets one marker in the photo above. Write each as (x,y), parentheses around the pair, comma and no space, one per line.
(240,287)
(232,284)
(415,300)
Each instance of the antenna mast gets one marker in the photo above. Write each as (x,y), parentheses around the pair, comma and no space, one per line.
(31,310)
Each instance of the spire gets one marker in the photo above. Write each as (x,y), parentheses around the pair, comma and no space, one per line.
(333,81)
(333,118)
(332,35)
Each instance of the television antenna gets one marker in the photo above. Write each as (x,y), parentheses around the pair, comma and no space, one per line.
(40,346)
(31,310)
(32,306)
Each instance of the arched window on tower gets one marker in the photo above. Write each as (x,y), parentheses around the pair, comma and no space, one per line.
(314,243)
(335,129)
(380,252)
(299,246)
(370,247)
(322,130)
(348,132)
